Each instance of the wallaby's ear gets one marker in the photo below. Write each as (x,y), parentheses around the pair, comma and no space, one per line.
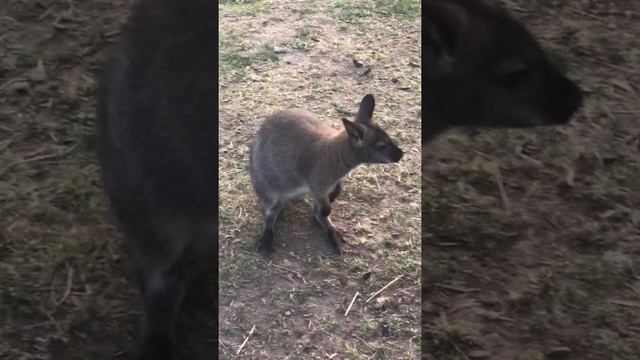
(355,131)
(365,113)
(445,25)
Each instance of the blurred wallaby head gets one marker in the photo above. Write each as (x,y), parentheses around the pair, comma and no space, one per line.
(485,69)
(368,141)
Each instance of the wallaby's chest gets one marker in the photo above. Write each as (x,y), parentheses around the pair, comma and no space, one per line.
(296,192)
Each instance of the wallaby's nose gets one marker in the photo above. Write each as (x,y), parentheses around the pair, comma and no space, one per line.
(397,155)
(570,103)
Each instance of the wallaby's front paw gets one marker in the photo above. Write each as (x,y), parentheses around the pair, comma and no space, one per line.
(336,239)
(265,245)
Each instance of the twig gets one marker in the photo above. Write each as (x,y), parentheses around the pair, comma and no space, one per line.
(351,304)
(455,288)
(384,287)
(119,353)
(503,192)
(37,158)
(246,339)
(292,271)
(447,244)
(363,341)
(67,290)
(625,303)
(620,68)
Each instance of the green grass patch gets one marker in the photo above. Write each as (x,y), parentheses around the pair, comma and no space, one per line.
(237,59)
(303,39)
(355,11)
(449,341)
(369,327)
(407,8)
(350,12)
(245,7)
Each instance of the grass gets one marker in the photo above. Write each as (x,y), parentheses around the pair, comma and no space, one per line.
(304,38)
(230,57)
(304,280)
(355,12)
(244,7)
(448,341)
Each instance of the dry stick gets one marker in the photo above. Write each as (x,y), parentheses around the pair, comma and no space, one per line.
(246,339)
(455,288)
(625,303)
(384,287)
(350,305)
(67,290)
(290,270)
(503,192)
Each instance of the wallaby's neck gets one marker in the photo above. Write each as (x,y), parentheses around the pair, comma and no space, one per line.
(339,156)
(433,123)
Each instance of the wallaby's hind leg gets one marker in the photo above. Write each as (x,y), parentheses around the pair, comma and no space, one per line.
(335,192)
(321,212)
(162,293)
(270,213)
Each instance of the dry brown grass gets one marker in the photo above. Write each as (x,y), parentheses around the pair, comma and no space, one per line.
(64,291)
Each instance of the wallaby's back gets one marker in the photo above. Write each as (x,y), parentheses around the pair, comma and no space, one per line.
(287,148)
(157,108)
(157,147)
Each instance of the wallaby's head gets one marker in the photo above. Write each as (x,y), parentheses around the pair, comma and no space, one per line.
(369,142)
(485,69)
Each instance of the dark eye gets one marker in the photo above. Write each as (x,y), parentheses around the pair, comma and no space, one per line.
(514,73)
(381,145)
(517,76)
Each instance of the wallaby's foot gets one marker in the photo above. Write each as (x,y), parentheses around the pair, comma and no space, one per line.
(265,243)
(335,239)
(157,347)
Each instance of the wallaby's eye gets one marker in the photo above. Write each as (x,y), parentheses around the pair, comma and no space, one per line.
(513,72)
(381,145)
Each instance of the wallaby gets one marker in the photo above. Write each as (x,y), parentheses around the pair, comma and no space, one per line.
(484,69)
(157,147)
(295,154)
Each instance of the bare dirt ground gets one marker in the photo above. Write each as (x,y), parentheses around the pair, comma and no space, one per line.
(282,54)
(547,268)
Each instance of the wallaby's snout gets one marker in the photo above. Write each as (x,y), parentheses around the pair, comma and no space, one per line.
(562,101)
(395,154)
